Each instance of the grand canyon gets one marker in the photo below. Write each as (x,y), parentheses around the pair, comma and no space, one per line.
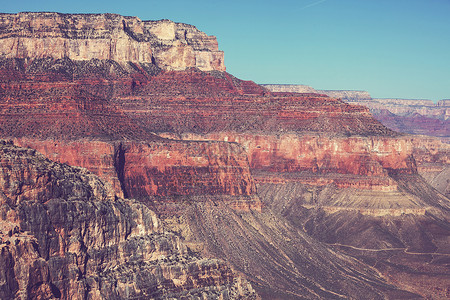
(133,166)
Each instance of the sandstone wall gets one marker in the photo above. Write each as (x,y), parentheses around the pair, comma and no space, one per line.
(170,45)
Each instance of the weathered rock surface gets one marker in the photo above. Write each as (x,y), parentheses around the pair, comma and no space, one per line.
(142,170)
(172,46)
(75,122)
(400,230)
(114,115)
(281,261)
(359,162)
(64,234)
(433,162)
(290,88)
(219,102)
(403,233)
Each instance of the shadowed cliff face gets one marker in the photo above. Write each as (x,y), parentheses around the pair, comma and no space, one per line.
(65,235)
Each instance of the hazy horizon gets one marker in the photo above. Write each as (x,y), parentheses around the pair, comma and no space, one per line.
(391,49)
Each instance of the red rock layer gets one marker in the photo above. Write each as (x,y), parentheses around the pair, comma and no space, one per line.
(144,170)
(361,162)
(220,102)
(133,103)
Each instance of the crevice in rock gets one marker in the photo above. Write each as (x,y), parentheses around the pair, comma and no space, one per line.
(119,166)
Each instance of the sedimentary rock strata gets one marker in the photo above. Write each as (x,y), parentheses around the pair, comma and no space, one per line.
(169,168)
(237,173)
(66,235)
(405,115)
(170,45)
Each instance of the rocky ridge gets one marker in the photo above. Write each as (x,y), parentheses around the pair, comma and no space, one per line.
(66,235)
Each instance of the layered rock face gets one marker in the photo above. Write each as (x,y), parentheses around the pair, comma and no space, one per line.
(74,121)
(143,170)
(190,144)
(360,162)
(220,102)
(397,227)
(433,161)
(301,136)
(66,235)
(298,140)
(172,46)
(403,115)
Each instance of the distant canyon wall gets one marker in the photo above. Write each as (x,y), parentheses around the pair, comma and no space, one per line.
(290,88)
(170,45)
(415,116)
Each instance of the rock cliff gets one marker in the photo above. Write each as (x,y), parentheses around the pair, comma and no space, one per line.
(235,171)
(64,234)
(74,121)
(143,170)
(172,46)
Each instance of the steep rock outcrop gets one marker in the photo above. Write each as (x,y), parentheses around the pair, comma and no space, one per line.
(143,170)
(359,162)
(65,235)
(170,45)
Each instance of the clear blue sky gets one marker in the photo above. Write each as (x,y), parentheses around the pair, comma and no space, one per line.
(391,48)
